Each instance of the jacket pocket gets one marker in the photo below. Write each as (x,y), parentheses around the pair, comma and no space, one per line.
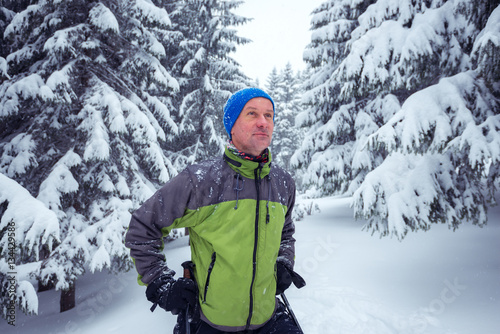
(210,268)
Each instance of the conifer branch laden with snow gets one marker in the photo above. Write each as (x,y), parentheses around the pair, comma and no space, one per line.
(26,226)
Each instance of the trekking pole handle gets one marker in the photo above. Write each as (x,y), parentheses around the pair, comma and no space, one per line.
(187,273)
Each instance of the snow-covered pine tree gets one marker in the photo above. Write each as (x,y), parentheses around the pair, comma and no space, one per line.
(337,124)
(445,139)
(286,136)
(83,115)
(209,74)
(431,157)
(273,85)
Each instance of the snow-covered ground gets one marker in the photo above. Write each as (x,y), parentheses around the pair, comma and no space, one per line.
(432,282)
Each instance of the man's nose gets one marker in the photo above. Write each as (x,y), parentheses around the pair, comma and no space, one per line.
(261,121)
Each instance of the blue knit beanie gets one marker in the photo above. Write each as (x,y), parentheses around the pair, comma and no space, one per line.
(237,101)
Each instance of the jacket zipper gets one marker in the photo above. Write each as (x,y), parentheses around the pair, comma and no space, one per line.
(210,268)
(257,173)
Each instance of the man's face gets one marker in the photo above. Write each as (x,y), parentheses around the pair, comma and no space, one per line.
(253,130)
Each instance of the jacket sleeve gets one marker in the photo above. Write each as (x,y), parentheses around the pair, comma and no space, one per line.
(152,221)
(286,253)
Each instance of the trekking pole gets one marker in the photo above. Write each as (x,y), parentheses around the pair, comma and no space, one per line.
(187,274)
(188,326)
(287,304)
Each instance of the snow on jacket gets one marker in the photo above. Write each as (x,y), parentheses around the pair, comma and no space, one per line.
(239,215)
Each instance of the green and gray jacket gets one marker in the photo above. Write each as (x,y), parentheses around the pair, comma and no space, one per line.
(239,215)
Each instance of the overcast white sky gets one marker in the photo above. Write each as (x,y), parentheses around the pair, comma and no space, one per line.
(279,31)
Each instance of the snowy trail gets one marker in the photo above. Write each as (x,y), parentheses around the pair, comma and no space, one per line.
(432,282)
(435,282)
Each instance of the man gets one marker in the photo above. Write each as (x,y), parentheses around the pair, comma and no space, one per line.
(239,213)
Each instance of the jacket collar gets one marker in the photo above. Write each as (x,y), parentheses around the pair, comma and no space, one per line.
(246,167)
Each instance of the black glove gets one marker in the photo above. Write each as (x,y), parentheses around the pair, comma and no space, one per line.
(172,295)
(285,277)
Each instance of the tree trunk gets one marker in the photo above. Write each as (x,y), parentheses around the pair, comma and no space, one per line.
(67,301)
